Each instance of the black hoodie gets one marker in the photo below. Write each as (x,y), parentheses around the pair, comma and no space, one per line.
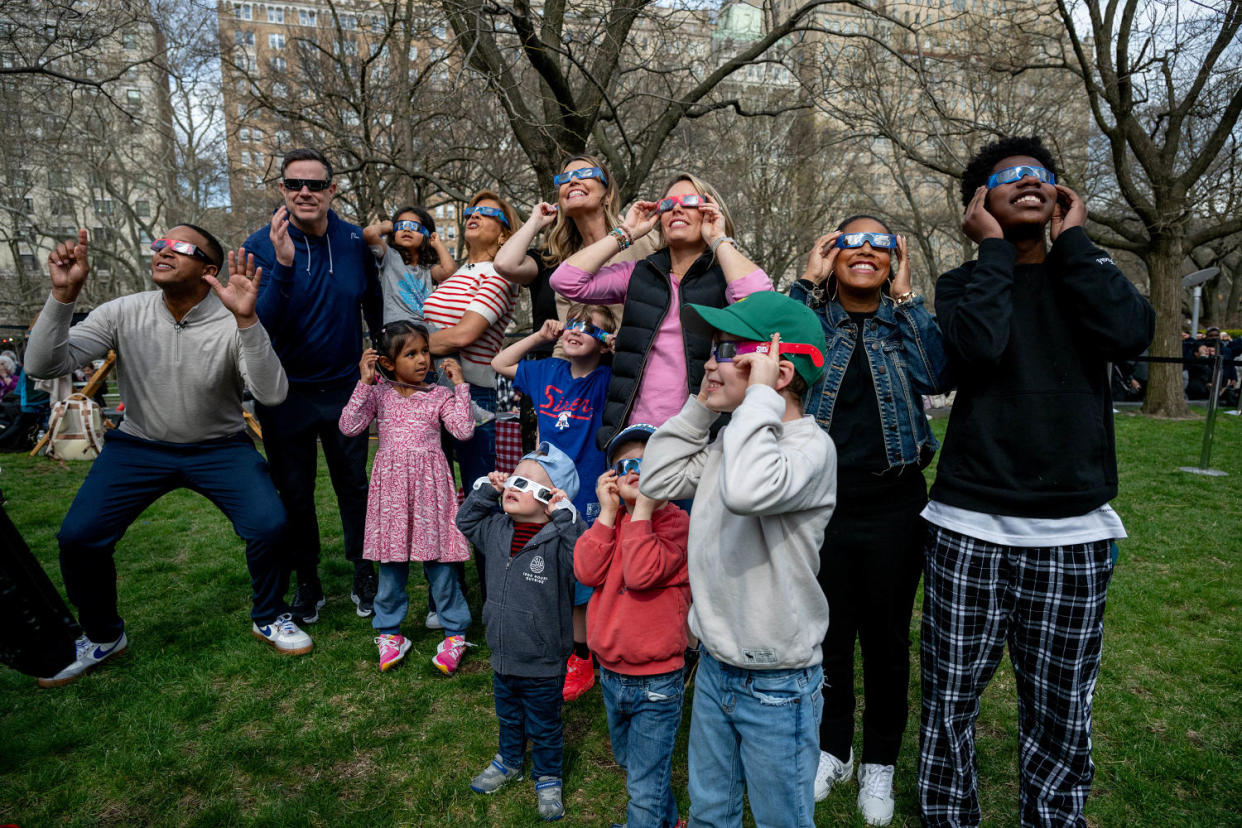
(1031,432)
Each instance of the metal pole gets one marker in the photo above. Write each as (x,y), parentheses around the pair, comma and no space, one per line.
(1209,427)
(1194,318)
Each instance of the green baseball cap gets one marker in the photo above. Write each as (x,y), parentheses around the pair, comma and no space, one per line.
(756,317)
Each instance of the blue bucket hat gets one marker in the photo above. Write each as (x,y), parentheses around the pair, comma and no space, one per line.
(558,465)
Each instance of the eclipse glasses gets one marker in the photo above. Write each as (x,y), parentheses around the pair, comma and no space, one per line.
(185,248)
(561,179)
(690,200)
(582,326)
(524,484)
(726,351)
(414,226)
(887,241)
(1010,174)
(482,210)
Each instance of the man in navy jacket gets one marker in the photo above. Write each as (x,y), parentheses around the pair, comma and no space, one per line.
(319,275)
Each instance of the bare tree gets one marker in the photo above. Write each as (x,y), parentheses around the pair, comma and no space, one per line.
(1164,84)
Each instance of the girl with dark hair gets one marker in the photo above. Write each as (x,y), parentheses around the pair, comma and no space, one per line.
(884,351)
(412,502)
(410,262)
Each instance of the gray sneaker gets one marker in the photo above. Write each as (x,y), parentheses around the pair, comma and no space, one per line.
(495,776)
(548,794)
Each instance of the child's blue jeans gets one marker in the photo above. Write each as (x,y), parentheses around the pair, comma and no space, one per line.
(644,713)
(756,730)
(530,708)
(392,602)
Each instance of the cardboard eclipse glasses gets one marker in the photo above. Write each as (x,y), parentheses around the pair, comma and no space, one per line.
(415,226)
(483,210)
(726,351)
(524,484)
(561,179)
(1010,174)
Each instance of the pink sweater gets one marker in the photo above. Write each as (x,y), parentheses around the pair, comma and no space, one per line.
(662,389)
(636,621)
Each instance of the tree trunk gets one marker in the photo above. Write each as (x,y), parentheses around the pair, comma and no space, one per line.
(1165,397)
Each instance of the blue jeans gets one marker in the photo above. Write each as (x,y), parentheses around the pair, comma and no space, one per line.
(392,602)
(644,713)
(757,729)
(292,432)
(128,476)
(530,708)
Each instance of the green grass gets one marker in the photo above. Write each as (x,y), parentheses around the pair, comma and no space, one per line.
(199,724)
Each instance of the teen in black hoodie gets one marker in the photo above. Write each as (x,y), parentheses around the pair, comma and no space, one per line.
(1019,547)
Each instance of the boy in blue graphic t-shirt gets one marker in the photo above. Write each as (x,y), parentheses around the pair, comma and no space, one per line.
(569,395)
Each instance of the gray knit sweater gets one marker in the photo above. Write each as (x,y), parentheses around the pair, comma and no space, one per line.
(180,382)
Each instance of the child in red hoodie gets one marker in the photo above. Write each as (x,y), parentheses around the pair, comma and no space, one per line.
(635,557)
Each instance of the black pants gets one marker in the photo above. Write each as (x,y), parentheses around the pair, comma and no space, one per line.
(308,415)
(869,570)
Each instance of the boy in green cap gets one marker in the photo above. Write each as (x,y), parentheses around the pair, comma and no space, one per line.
(763,491)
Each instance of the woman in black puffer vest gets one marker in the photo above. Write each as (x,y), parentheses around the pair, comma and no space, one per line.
(657,364)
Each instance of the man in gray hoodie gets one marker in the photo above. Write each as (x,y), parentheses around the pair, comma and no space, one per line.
(184,353)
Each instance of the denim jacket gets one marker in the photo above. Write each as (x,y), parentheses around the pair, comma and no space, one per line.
(906,355)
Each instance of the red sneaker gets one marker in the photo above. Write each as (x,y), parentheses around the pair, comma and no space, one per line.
(579,676)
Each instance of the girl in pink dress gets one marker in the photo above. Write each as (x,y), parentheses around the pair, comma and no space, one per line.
(412,502)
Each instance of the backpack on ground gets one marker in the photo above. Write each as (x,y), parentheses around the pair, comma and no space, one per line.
(75,429)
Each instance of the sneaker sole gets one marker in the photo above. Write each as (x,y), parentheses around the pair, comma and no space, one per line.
(272,644)
(47,682)
(399,658)
(362,613)
(312,618)
(442,668)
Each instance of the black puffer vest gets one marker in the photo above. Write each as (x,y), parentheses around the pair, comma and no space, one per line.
(647,301)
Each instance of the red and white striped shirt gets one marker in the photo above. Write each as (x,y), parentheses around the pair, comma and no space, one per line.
(478,288)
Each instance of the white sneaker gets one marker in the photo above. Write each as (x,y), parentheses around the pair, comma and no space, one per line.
(284,635)
(875,793)
(830,771)
(89,655)
(433,622)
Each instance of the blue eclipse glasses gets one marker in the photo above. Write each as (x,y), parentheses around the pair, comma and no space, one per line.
(587,328)
(886,241)
(493,212)
(561,179)
(629,464)
(410,225)
(1011,174)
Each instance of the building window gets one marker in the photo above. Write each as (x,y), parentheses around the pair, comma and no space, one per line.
(243,135)
(280,90)
(256,135)
(278,63)
(282,138)
(257,157)
(243,38)
(28,205)
(242,11)
(275,15)
(306,18)
(130,42)
(133,96)
(245,157)
(142,208)
(276,41)
(103,206)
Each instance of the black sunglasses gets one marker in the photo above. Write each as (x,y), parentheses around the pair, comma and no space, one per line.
(312,184)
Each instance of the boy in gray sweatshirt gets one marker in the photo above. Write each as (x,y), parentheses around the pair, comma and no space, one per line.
(763,491)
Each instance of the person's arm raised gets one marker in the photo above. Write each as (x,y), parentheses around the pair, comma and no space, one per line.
(512,261)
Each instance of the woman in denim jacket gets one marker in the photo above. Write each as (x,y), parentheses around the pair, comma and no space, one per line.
(884,351)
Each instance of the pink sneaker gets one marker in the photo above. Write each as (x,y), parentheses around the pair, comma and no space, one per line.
(392,648)
(449,653)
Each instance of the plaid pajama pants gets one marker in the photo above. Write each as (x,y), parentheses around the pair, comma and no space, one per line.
(1048,603)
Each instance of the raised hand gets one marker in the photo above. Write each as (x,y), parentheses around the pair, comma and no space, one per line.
(279,234)
(452,370)
(823,256)
(497,480)
(557,497)
(1070,211)
(366,366)
(640,219)
(68,267)
(242,292)
(764,369)
(713,226)
(551,330)
(609,496)
(901,279)
(543,215)
(977,223)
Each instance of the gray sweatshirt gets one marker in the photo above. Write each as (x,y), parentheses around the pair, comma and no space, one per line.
(180,382)
(764,491)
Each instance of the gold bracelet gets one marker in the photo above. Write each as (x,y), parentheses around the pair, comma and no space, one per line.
(905,298)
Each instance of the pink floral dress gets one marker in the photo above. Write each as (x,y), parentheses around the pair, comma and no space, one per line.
(412,503)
